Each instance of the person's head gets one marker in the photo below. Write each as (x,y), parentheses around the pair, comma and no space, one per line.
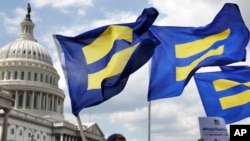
(116,137)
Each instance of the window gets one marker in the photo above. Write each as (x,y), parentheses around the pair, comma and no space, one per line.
(50,104)
(35,101)
(27,104)
(2,75)
(20,133)
(35,77)
(46,78)
(41,77)
(29,75)
(45,102)
(22,75)
(15,76)
(20,100)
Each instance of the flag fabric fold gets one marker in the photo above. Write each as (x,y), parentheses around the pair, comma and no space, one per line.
(97,63)
(225,93)
(183,50)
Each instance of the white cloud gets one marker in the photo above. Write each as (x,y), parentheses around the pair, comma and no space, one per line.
(80,12)
(65,6)
(11,21)
(10,24)
(186,13)
(115,17)
(61,3)
(130,118)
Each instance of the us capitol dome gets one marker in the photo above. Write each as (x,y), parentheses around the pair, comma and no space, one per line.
(27,72)
(28,75)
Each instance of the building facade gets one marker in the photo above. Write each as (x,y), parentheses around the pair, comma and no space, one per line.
(27,73)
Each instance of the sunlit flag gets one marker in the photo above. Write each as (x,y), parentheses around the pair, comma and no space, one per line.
(97,63)
(183,50)
(226,93)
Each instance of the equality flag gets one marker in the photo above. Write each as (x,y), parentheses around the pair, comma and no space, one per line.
(97,63)
(226,93)
(183,50)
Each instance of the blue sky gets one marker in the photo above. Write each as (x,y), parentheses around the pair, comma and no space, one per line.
(173,119)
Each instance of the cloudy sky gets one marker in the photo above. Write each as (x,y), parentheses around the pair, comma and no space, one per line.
(173,119)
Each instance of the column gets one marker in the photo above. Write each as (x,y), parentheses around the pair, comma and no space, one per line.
(44,101)
(5,125)
(62,106)
(12,75)
(52,104)
(38,74)
(32,100)
(59,105)
(16,100)
(57,101)
(53,138)
(70,138)
(61,137)
(47,102)
(40,101)
(32,73)
(24,99)
(19,74)
(66,138)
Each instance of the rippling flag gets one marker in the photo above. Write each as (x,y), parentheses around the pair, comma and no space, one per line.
(97,63)
(226,93)
(183,50)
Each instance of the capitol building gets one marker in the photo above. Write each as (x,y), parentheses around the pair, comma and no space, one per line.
(28,75)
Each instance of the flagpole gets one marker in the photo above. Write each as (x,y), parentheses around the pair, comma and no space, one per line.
(80,128)
(149,120)
(149,107)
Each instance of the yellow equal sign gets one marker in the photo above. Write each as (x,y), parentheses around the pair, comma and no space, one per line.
(101,47)
(184,51)
(237,99)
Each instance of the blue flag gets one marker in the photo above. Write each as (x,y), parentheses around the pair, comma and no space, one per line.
(97,63)
(225,94)
(226,68)
(183,50)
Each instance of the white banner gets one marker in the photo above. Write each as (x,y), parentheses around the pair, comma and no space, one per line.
(213,129)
